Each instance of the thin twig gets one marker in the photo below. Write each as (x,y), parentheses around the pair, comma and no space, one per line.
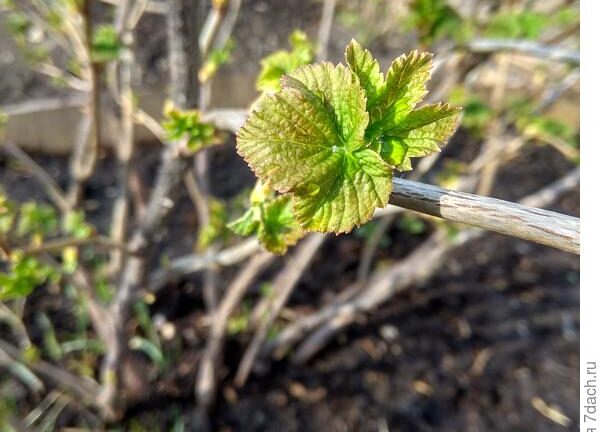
(53,191)
(58,245)
(85,390)
(489,171)
(16,323)
(153,6)
(182,37)
(284,284)
(124,24)
(193,263)
(534,49)
(420,265)
(370,248)
(327,14)
(207,374)
(86,147)
(212,36)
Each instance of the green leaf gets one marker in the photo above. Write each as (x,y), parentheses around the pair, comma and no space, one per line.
(366,68)
(74,223)
(182,124)
(271,218)
(279,63)
(279,228)
(247,224)
(272,221)
(404,88)
(332,135)
(106,45)
(308,140)
(25,274)
(36,219)
(420,133)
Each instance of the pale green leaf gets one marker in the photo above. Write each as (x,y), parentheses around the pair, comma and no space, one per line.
(404,88)
(421,133)
(272,221)
(359,183)
(308,139)
(279,229)
(247,224)
(330,87)
(366,68)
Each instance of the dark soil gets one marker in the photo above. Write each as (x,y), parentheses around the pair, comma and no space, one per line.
(496,327)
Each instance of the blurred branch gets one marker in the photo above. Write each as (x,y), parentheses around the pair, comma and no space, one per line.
(58,245)
(415,269)
(327,15)
(206,379)
(84,389)
(15,322)
(226,119)
(216,31)
(85,151)
(370,248)
(195,262)
(534,49)
(284,284)
(126,18)
(153,6)
(182,36)
(53,191)
(44,104)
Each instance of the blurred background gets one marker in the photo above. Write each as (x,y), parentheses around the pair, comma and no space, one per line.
(449,328)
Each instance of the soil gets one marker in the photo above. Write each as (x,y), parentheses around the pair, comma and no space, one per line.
(495,330)
(474,349)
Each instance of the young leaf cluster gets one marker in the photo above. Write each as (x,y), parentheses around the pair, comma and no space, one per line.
(106,45)
(435,20)
(187,125)
(25,274)
(332,136)
(270,218)
(30,220)
(31,223)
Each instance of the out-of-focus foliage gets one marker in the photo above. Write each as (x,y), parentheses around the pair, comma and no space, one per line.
(215,59)
(216,229)
(411,224)
(187,125)
(36,220)
(435,20)
(23,276)
(476,112)
(282,62)
(74,224)
(29,225)
(528,24)
(450,173)
(106,45)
